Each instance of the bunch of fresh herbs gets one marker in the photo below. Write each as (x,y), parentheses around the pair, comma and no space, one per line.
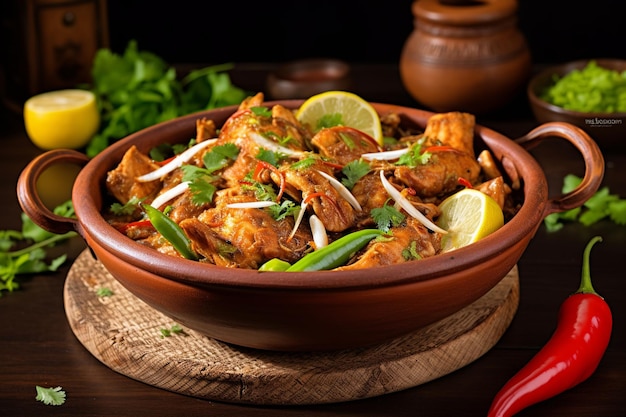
(138,89)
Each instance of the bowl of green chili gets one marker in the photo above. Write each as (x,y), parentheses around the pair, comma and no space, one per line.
(590,94)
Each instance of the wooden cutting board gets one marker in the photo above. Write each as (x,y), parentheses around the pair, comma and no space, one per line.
(125,334)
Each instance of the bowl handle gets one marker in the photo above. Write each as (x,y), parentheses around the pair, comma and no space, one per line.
(29,198)
(592,156)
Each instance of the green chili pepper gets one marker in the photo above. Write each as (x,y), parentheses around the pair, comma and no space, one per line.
(171,231)
(275,264)
(337,253)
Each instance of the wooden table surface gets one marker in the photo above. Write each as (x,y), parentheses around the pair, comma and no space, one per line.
(37,346)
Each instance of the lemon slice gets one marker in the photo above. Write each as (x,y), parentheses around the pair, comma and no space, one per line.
(61,119)
(353,110)
(468,215)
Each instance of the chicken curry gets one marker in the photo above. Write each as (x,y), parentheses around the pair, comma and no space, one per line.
(264,188)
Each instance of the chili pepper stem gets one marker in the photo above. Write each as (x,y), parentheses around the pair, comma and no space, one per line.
(586,286)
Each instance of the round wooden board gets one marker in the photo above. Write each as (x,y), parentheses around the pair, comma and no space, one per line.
(125,334)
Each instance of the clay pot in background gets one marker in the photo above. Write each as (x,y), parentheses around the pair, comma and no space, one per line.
(465,55)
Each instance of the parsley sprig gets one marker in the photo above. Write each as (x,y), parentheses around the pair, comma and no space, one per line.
(602,205)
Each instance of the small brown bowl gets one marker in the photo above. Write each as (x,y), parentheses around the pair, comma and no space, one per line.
(305,311)
(608,129)
(307,77)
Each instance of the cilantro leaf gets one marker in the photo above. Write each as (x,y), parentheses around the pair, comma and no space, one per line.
(201,179)
(220,156)
(415,156)
(50,396)
(602,205)
(284,209)
(32,241)
(353,172)
(387,217)
(329,120)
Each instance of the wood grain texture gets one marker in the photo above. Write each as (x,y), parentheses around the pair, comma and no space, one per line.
(125,334)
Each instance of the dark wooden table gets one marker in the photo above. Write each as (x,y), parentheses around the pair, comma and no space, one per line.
(37,346)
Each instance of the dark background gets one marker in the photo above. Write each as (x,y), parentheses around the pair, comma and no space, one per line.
(194,31)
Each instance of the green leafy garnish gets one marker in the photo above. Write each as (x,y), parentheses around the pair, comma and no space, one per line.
(104,292)
(138,89)
(271,157)
(50,396)
(284,209)
(387,217)
(175,329)
(415,156)
(127,208)
(261,111)
(304,163)
(220,156)
(354,171)
(201,179)
(602,205)
(31,257)
(411,252)
(329,120)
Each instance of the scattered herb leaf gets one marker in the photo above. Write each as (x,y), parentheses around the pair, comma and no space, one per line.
(50,396)
(31,256)
(104,292)
(602,205)
(175,329)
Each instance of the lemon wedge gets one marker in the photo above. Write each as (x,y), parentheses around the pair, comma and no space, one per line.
(353,111)
(61,119)
(468,215)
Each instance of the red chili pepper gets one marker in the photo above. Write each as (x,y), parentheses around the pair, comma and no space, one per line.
(571,355)
(464,182)
(441,148)
(139,223)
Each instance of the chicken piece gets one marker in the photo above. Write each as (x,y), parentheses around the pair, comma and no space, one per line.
(408,242)
(334,211)
(370,194)
(343,144)
(120,182)
(205,129)
(497,189)
(244,238)
(488,165)
(440,175)
(453,129)
(246,128)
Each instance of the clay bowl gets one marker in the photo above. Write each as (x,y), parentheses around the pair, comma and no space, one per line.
(608,129)
(308,311)
(307,77)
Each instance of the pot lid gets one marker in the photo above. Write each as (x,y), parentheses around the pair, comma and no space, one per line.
(464,12)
